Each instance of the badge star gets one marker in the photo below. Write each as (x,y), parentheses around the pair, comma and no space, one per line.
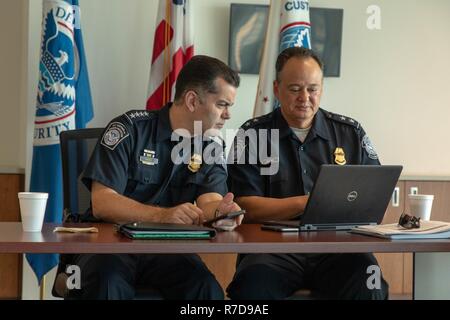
(342,118)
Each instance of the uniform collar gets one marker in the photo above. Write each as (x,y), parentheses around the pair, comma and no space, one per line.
(319,127)
(164,131)
(281,124)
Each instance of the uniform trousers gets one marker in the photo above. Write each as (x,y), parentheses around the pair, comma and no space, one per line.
(328,276)
(116,276)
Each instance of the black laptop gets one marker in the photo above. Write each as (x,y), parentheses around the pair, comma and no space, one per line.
(347,196)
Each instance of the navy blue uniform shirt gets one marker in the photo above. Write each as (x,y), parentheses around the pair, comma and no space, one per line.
(299,163)
(133,157)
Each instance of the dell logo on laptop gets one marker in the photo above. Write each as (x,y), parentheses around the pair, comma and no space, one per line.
(352,196)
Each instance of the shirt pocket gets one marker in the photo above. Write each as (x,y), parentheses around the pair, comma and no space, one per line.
(145,183)
(278,184)
(145,175)
(185,180)
(184,187)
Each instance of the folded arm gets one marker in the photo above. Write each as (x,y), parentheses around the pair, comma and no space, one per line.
(263,208)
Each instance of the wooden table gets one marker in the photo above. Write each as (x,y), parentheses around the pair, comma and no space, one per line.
(431,262)
(248,238)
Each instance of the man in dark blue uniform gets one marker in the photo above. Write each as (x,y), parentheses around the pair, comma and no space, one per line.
(134,174)
(308,137)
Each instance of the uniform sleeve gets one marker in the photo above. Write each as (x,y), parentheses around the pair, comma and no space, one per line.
(110,160)
(244,175)
(369,155)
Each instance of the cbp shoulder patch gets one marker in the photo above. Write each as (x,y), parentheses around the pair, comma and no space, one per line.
(135,115)
(368,146)
(113,135)
(342,119)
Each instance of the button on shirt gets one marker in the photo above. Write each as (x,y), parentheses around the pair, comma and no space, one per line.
(299,163)
(133,157)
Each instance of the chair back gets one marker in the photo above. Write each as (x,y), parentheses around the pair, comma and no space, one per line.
(76,149)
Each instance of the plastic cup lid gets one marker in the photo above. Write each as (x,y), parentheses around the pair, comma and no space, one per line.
(33,195)
(421,196)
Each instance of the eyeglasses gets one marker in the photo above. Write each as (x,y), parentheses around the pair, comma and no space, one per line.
(409,222)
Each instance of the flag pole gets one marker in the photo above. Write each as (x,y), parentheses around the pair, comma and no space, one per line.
(167,56)
(42,289)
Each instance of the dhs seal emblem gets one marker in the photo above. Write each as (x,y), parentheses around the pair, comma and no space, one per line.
(55,110)
(298,35)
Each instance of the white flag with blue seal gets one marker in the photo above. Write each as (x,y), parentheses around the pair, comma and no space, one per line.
(63,103)
(289,26)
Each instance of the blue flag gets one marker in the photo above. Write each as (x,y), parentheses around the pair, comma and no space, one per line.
(63,103)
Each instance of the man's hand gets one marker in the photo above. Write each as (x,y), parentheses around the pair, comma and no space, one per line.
(185,213)
(228,205)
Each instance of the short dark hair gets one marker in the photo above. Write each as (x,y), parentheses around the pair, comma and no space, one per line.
(297,52)
(201,72)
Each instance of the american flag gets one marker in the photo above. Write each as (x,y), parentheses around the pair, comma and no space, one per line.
(289,26)
(172,48)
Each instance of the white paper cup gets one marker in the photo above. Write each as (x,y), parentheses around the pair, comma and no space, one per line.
(32,210)
(420,205)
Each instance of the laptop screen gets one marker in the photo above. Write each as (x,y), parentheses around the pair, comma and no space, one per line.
(350,195)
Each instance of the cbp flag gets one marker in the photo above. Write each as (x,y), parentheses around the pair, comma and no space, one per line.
(288,26)
(63,103)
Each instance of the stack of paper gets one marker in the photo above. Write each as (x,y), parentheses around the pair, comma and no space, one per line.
(427,230)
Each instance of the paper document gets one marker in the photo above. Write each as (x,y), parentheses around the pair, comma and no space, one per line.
(427,230)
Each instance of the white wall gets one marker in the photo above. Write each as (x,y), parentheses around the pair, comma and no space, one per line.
(13,42)
(395,81)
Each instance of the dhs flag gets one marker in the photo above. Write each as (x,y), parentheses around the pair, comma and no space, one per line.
(173,47)
(289,26)
(63,103)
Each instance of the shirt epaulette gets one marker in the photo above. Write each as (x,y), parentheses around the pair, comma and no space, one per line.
(342,119)
(257,121)
(137,115)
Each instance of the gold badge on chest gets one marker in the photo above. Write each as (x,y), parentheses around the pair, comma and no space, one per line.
(339,156)
(195,163)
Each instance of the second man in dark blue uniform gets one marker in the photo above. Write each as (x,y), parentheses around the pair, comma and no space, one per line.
(308,137)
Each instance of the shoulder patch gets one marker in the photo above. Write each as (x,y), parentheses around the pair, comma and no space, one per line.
(342,119)
(258,120)
(136,115)
(368,146)
(114,135)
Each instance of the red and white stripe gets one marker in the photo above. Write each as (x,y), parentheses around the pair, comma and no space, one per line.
(173,47)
